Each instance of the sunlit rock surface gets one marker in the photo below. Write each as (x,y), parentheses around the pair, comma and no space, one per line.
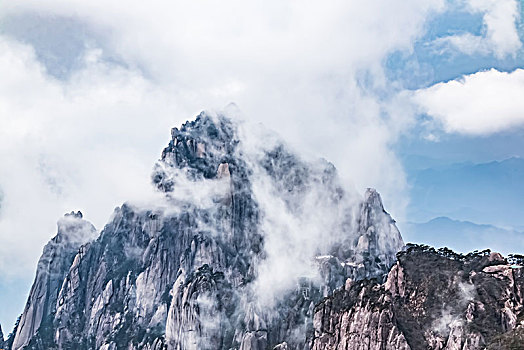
(247,239)
(430,300)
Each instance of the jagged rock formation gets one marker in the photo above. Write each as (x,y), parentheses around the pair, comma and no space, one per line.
(53,265)
(430,300)
(189,272)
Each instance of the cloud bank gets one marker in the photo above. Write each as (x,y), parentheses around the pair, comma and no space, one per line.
(477,104)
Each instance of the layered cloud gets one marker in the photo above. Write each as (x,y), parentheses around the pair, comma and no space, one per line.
(478,104)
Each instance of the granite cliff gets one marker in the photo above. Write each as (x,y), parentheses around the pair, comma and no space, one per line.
(246,239)
(431,299)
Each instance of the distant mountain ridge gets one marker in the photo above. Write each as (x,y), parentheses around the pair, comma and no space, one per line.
(487,192)
(463,236)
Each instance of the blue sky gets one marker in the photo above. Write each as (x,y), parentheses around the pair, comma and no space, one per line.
(440,63)
(408,96)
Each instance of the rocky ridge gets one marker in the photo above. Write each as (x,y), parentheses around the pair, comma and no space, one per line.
(431,299)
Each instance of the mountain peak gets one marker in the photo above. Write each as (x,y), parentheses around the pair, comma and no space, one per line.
(246,234)
(73,214)
(197,148)
(73,229)
(372,198)
(53,265)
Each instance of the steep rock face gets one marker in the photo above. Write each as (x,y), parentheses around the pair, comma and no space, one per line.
(378,240)
(2,342)
(430,300)
(53,265)
(187,273)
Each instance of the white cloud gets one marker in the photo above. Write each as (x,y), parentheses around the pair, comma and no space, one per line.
(477,104)
(500,35)
(80,144)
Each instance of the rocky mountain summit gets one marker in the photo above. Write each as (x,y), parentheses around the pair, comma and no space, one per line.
(250,247)
(244,242)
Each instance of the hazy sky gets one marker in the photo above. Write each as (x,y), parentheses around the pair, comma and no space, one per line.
(90,90)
